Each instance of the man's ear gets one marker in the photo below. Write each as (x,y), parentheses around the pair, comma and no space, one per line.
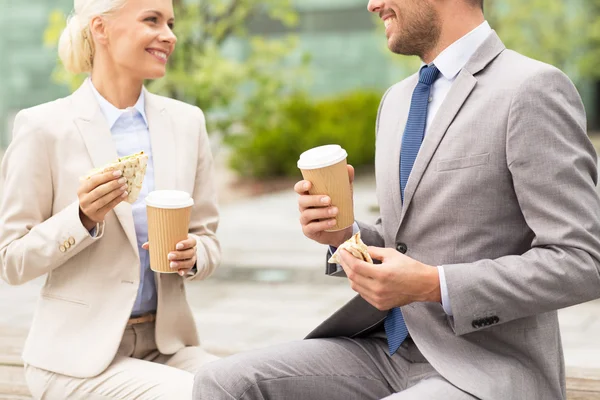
(98,30)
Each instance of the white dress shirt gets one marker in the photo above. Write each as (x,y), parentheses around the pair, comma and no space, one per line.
(129,129)
(449,62)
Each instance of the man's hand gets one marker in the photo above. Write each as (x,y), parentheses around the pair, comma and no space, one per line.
(397,281)
(184,258)
(317,215)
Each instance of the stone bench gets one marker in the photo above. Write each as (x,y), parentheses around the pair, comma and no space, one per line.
(582,384)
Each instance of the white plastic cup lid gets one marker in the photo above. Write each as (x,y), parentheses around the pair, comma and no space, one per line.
(322,156)
(171,199)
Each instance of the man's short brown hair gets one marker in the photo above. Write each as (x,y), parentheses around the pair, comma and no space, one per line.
(476,3)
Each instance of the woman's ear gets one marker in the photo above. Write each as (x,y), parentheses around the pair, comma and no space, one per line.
(98,30)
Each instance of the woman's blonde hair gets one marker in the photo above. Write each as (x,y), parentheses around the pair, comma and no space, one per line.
(76,45)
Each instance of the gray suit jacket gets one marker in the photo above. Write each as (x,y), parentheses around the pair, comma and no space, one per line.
(503,195)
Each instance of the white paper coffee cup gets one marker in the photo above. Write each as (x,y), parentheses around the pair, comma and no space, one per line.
(326,168)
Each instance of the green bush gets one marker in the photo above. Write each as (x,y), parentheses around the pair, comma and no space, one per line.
(270,148)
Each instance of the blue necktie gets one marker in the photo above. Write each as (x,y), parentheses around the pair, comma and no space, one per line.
(395,327)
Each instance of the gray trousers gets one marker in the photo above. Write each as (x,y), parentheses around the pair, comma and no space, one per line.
(333,369)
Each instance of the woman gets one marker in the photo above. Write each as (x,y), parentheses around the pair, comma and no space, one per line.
(106,326)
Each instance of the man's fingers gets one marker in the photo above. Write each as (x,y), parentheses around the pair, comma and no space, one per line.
(308,201)
(302,187)
(318,227)
(317,214)
(360,269)
(379,253)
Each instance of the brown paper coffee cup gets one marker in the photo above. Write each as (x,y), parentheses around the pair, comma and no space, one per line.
(325,167)
(168,213)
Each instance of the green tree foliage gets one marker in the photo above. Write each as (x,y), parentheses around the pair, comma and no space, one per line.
(552,31)
(206,72)
(273,147)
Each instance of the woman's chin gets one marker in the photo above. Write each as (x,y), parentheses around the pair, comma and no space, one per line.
(155,73)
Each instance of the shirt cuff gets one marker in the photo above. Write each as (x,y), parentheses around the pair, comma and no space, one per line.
(444,290)
(355,230)
(97,231)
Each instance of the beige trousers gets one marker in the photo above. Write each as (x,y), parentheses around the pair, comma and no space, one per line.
(138,372)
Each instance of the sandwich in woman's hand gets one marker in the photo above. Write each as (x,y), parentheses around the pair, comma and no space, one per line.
(133,168)
(354,246)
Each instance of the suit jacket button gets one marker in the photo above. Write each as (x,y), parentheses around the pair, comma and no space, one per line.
(402,248)
(67,244)
(71,240)
(62,248)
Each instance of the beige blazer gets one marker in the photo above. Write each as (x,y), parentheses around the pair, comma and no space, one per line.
(91,286)
(502,194)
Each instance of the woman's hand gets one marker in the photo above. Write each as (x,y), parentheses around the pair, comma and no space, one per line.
(184,258)
(98,195)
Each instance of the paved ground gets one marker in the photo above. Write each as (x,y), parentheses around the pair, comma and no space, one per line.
(271,288)
(236,316)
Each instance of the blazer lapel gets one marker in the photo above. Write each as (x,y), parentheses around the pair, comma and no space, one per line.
(96,135)
(395,143)
(162,141)
(461,89)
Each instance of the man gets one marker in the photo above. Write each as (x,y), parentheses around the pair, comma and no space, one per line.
(489,223)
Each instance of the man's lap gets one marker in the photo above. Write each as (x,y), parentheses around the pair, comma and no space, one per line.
(339,368)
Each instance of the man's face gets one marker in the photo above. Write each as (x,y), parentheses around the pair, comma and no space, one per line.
(412,27)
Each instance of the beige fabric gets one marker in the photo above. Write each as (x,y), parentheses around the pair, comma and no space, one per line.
(92,283)
(502,194)
(138,372)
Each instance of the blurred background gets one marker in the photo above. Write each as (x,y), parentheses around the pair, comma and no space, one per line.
(276,77)
(279,76)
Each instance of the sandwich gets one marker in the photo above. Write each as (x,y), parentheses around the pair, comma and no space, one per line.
(354,246)
(133,168)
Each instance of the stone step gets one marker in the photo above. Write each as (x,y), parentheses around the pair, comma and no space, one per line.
(582,384)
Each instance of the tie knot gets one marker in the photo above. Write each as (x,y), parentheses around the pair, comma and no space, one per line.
(429,74)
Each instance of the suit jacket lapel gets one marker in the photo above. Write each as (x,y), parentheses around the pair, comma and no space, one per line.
(96,135)
(162,141)
(395,143)
(461,89)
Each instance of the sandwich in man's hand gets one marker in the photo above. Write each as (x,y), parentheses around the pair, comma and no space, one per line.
(133,168)
(354,246)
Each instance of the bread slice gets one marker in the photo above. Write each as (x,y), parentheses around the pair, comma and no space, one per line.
(354,246)
(133,168)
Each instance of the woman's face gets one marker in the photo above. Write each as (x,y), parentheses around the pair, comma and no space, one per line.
(139,38)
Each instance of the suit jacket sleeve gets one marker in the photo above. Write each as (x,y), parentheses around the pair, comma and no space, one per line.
(31,236)
(554,173)
(370,234)
(205,213)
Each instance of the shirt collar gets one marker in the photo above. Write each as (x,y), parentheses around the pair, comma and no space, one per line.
(112,113)
(455,57)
